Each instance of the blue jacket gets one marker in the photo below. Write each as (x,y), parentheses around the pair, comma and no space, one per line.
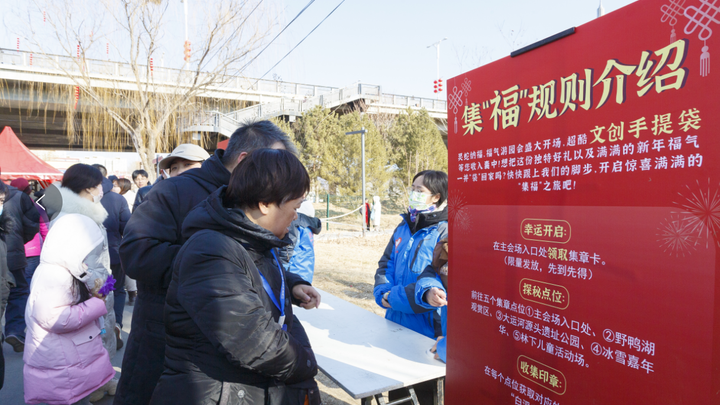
(299,256)
(427,280)
(407,254)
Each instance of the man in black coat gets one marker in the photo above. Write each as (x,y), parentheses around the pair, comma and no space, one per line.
(23,224)
(152,239)
(118,216)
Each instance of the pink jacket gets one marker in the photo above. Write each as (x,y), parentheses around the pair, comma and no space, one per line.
(34,247)
(65,360)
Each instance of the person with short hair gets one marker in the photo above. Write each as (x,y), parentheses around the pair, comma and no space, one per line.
(140,178)
(152,240)
(408,253)
(246,334)
(118,214)
(102,169)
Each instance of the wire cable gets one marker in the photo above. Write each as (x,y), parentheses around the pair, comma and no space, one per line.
(276,36)
(301,41)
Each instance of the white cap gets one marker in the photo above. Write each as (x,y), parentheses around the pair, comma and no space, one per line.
(186,151)
(307,208)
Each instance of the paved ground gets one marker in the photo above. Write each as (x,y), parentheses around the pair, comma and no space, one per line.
(12,392)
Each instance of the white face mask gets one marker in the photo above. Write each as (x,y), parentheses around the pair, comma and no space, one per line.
(97,198)
(418,201)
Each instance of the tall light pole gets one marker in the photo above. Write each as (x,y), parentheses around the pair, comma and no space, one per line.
(362,133)
(437,47)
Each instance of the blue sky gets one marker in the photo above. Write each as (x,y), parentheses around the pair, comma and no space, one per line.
(376,42)
(385,42)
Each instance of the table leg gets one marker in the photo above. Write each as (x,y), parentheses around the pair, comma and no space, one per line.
(440,391)
(413,396)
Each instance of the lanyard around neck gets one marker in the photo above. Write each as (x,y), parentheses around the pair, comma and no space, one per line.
(281,305)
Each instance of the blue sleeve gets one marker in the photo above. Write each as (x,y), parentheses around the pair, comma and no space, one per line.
(442,349)
(385,274)
(422,285)
(302,261)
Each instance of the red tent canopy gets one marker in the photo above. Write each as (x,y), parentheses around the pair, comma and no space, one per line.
(16,160)
(223,145)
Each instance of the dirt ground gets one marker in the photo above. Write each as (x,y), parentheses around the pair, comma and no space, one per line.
(346,267)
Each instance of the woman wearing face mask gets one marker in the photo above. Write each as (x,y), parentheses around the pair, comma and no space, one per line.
(406,256)
(65,361)
(81,192)
(410,250)
(231,334)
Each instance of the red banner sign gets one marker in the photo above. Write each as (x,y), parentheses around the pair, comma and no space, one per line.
(585,213)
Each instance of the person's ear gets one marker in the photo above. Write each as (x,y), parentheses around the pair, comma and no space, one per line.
(435,198)
(242,156)
(263,207)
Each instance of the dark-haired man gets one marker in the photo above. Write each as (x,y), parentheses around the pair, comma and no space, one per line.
(152,240)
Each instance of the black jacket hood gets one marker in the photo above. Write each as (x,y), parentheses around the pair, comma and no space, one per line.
(426,219)
(212,214)
(212,174)
(313,223)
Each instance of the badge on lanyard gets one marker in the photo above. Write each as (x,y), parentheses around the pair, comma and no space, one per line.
(279,305)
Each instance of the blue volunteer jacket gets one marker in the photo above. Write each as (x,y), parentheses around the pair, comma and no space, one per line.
(299,257)
(407,254)
(427,280)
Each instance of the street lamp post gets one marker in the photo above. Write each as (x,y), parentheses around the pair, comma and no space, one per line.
(362,133)
(437,47)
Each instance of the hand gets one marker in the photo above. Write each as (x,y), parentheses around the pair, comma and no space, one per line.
(436,297)
(385,300)
(434,348)
(308,296)
(94,291)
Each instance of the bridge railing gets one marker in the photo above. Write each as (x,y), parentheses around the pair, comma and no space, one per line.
(297,97)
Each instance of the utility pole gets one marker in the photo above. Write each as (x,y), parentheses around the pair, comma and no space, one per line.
(601,10)
(362,133)
(437,47)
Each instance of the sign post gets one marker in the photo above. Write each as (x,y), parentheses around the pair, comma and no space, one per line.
(585,216)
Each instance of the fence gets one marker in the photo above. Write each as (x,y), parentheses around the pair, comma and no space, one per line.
(343,212)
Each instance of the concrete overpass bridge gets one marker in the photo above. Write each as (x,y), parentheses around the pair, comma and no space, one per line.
(267,98)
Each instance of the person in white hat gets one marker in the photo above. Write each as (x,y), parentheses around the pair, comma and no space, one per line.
(185,157)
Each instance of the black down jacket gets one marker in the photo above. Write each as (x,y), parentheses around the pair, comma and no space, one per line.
(118,216)
(152,239)
(25,224)
(224,343)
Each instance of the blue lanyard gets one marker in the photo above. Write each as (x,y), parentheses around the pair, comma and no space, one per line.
(269,291)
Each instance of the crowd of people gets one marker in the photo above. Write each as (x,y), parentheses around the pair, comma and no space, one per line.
(213,255)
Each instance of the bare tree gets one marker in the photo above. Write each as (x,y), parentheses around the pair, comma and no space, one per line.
(136,98)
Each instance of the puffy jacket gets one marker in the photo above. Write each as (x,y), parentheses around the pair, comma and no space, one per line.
(224,343)
(118,216)
(34,247)
(5,283)
(74,204)
(407,254)
(153,236)
(152,239)
(299,256)
(427,280)
(64,356)
(25,224)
